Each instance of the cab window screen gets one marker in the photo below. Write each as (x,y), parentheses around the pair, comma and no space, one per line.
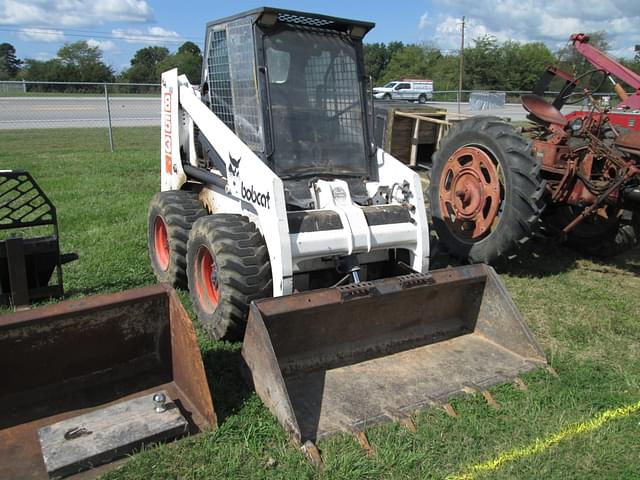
(317,106)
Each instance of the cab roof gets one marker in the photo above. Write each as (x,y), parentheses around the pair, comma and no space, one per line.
(269,16)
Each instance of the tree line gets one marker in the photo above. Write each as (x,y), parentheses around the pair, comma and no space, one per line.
(488,64)
(81,62)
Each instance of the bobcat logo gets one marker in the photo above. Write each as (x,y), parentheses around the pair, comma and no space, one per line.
(235,166)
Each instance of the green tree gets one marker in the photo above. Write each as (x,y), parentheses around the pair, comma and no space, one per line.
(481,64)
(84,62)
(144,65)
(522,64)
(9,63)
(188,60)
(376,58)
(444,72)
(408,62)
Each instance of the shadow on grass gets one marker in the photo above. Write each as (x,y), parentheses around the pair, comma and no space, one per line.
(544,257)
(223,366)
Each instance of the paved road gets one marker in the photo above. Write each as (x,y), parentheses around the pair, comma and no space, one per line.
(91,111)
(79,111)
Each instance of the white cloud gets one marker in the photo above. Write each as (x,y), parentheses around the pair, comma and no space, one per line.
(72,13)
(549,21)
(41,35)
(424,20)
(104,45)
(124,10)
(150,35)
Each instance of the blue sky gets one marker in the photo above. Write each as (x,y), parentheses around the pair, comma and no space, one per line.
(38,28)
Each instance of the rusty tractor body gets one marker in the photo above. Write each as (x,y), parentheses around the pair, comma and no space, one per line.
(576,176)
(65,360)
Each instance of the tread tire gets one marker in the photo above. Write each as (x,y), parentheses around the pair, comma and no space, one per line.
(524,198)
(179,209)
(243,272)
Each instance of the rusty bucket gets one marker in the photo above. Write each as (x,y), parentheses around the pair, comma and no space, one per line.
(79,356)
(338,359)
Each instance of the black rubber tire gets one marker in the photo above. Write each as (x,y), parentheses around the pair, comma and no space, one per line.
(591,237)
(523,189)
(241,261)
(386,96)
(178,210)
(422,98)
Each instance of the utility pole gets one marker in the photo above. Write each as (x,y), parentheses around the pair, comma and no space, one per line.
(460,73)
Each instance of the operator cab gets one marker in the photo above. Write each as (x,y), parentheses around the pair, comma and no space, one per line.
(291,86)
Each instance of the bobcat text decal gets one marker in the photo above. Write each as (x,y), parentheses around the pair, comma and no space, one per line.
(249,194)
(168,162)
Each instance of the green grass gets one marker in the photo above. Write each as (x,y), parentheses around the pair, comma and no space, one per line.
(584,313)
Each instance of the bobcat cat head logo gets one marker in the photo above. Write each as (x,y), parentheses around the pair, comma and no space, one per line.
(234,166)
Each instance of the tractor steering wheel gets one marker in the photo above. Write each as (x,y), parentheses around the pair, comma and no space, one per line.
(586,83)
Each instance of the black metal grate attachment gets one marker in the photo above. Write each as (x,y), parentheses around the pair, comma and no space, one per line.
(22,202)
(306,21)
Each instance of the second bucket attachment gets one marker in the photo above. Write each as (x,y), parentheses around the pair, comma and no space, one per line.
(338,359)
(88,381)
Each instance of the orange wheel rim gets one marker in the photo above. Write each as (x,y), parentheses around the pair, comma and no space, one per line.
(161,243)
(471,193)
(206,280)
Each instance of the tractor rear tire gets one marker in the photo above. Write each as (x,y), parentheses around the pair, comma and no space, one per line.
(594,236)
(228,267)
(486,192)
(171,215)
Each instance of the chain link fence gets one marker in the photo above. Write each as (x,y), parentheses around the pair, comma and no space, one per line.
(113,106)
(53,105)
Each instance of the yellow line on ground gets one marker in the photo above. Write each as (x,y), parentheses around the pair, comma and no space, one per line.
(540,445)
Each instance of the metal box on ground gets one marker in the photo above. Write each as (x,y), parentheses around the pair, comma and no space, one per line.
(80,356)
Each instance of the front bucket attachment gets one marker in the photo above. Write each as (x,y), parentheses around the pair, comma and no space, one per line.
(337,359)
(94,355)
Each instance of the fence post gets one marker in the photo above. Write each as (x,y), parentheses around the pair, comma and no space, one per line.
(106,99)
(24,86)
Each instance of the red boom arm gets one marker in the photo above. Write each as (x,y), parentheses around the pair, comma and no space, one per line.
(602,61)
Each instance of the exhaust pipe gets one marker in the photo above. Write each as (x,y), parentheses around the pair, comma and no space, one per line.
(338,359)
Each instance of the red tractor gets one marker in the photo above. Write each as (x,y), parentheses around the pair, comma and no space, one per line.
(576,176)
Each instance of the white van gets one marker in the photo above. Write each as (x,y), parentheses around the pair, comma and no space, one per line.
(408,89)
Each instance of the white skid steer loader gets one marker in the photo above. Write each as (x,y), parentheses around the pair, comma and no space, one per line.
(284,220)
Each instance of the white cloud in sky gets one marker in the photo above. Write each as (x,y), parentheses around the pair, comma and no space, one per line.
(149,35)
(72,13)
(424,20)
(104,45)
(548,21)
(41,35)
